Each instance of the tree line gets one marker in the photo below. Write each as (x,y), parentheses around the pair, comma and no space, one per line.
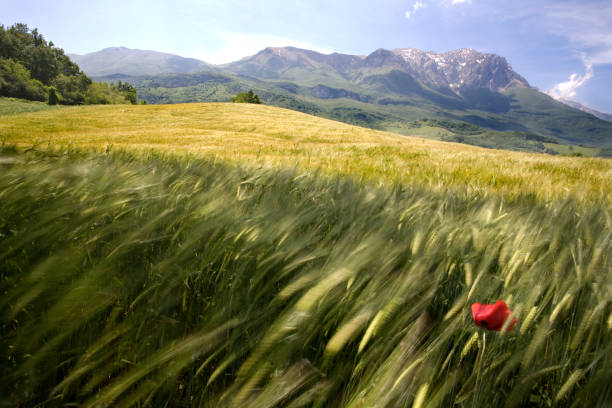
(34,69)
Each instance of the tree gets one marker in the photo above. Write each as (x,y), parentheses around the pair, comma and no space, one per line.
(72,88)
(128,91)
(246,97)
(32,68)
(100,93)
(15,81)
(53,99)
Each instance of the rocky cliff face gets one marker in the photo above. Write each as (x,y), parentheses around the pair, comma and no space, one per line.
(461,69)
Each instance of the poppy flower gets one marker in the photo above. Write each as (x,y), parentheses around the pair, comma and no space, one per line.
(492,317)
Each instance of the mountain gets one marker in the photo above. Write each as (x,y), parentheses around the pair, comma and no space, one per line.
(458,70)
(461,69)
(394,90)
(274,62)
(598,114)
(125,61)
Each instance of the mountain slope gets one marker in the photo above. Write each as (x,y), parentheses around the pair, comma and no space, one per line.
(393,102)
(391,90)
(125,61)
(601,115)
(536,110)
(458,70)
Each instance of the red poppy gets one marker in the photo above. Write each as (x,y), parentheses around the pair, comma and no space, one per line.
(492,317)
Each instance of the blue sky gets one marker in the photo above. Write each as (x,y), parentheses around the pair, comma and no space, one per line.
(562,47)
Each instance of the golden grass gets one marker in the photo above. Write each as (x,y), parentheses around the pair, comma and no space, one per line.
(269,136)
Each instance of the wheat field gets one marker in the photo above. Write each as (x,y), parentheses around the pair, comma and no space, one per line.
(274,137)
(218,255)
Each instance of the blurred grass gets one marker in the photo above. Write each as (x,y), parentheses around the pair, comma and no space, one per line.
(135,279)
(274,137)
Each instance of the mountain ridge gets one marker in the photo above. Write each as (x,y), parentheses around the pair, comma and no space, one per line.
(459,70)
(429,67)
(576,105)
(127,61)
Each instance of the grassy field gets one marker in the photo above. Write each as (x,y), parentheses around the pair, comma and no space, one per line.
(268,136)
(225,255)
(13,106)
(152,280)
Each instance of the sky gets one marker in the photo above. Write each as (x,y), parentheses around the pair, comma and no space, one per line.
(560,47)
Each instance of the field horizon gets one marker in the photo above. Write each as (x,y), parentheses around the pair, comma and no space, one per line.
(270,136)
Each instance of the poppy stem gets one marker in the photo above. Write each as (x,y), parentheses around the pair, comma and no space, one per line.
(479,359)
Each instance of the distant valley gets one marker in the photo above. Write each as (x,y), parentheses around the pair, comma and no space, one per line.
(476,97)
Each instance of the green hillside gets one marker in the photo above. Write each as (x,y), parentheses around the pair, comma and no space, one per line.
(394,101)
(556,119)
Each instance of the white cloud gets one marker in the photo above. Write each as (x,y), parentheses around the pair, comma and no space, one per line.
(587,27)
(415,7)
(567,89)
(461,1)
(231,47)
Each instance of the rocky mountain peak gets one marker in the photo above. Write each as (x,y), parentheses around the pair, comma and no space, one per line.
(461,69)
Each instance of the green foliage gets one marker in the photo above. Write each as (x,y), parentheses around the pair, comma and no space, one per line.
(290,102)
(360,117)
(53,99)
(158,281)
(100,93)
(30,67)
(30,49)
(246,97)
(72,88)
(127,90)
(518,141)
(15,81)
(461,128)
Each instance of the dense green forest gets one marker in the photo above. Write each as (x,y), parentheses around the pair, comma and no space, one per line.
(34,69)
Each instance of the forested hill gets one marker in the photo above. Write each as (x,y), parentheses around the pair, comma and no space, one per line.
(34,69)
